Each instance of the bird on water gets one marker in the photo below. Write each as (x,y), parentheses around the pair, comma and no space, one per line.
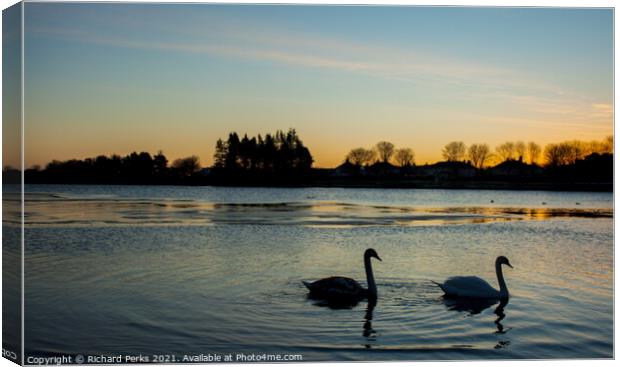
(475,287)
(346,290)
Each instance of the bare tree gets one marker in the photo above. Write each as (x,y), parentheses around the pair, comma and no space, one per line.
(603,146)
(520,150)
(187,166)
(569,152)
(404,157)
(533,152)
(454,151)
(371,156)
(609,144)
(562,154)
(555,155)
(479,153)
(385,150)
(578,149)
(596,146)
(506,151)
(361,156)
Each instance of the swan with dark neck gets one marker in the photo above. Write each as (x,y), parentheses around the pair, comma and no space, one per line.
(346,290)
(474,287)
(370,277)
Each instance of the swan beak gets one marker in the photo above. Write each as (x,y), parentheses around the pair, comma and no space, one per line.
(378,258)
(510,265)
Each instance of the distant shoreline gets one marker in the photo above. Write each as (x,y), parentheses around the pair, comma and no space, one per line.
(382,184)
(593,173)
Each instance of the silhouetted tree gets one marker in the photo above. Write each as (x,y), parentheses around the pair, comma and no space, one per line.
(568,152)
(404,157)
(302,158)
(506,151)
(186,167)
(533,152)
(454,151)
(160,163)
(608,145)
(247,153)
(283,155)
(520,150)
(278,154)
(134,168)
(561,154)
(270,153)
(221,153)
(384,151)
(361,156)
(595,146)
(232,154)
(478,154)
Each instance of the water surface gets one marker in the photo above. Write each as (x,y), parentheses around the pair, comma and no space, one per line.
(184,270)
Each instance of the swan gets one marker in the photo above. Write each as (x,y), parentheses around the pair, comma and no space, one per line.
(346,290)
(475,287)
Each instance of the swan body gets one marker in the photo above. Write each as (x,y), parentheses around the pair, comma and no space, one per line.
(342,289)
(336,288)
(468,286)
(474,287)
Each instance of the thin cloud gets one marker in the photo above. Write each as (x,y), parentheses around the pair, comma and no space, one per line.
(225,39)
(313,52)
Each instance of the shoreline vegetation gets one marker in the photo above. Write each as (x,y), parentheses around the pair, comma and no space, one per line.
(282,160)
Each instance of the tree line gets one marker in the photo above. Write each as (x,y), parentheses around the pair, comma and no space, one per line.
(382,152)
(282,159)
(480,155)
(278,154)
(134,168)
(553,155)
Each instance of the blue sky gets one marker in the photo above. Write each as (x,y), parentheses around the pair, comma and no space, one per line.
(113,78)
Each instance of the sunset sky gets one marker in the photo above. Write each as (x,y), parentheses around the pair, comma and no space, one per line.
(114,78)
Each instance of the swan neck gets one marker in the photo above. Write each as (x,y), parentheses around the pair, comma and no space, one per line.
(370,278)
(503,290)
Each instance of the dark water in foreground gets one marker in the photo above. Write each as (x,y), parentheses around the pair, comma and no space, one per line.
(185,271)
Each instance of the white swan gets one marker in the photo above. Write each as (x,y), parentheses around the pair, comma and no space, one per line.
(346,290)
(475,287)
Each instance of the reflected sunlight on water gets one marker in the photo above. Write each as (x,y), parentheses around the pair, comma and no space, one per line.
(53,209)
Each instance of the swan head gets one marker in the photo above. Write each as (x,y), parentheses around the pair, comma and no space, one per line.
(503,260)
(371,253)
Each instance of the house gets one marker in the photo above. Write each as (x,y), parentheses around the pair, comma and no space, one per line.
(447,170)
(515,169)
(347,169)
(382,169)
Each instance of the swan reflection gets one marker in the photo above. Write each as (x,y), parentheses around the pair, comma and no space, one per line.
(499,311)
(334,304)
(475,306)
(368,332)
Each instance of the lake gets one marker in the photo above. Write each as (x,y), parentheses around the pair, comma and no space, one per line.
(194,271)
